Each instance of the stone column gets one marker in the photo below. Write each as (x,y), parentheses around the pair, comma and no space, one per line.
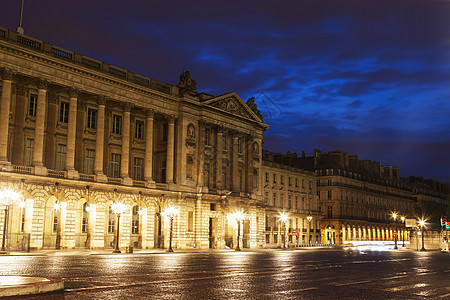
(201,154)
(17,155)
(100,140)
(234,168)
(5,103)
(170,150)
(38,151)
(71,134)
(148,165)
(219,183)
(125,160)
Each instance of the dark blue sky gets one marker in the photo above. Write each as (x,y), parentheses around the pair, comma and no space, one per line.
(368,77)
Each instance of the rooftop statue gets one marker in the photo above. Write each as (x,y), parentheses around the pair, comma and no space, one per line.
(252,105)
(186,84)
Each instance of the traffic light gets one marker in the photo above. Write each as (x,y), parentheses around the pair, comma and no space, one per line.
(448,225)
(443,221)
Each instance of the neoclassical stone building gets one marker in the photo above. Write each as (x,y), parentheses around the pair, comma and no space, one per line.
(77,135)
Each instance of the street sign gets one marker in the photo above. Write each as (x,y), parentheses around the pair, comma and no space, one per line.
(395,232)
(410,222)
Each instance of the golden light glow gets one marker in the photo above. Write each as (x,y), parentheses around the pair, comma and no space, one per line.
(422,223)
(284,217)
(394,216)
(236,216)
(170,212)
(57,206)
(403,219)
(309,218)
(118,207)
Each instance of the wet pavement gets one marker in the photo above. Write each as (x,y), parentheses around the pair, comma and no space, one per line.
(348,273)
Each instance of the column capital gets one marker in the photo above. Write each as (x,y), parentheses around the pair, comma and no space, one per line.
(73,92)
(52,98)
(21,90)
(102,99)
(7,73)
(42,83)
(127,107)
(171,118)
(149,112)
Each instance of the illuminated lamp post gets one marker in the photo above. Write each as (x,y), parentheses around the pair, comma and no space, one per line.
(284,217)
(118,208)
(238,216)
(422,224)
(309,229)
(403,234)
(171,213)
(394,216)
(7,197)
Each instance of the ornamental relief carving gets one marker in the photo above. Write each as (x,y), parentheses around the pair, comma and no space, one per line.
(232,106)
(190,136)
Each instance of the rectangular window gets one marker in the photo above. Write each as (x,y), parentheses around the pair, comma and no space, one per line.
(224,141)
(290,181)
(329,194)
(289,201)
(163,171)
(60,156)
(55,223)
(22,225)
(89,160)
(303,183)
(137,168)
(64,112)
(274,200)
(33,105)
(116,124)
(114,169)
(111,225)
(207,136)
(296,202)
(281,179)
(296,182)
(310,184)
(329,212)
(212,207)
(29,146)
(240,145)
(84,224)
(266,197)
(303,202)
(274,178)
(267,177)
(91,118)
(275,238)
(139,130)
(190,221)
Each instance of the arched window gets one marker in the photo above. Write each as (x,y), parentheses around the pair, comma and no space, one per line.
(85,218)
(135,220)
(111,220)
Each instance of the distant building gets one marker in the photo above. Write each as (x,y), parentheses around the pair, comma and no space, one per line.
(360,198)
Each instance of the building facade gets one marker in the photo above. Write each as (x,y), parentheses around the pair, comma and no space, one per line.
(291,192)
(78,135)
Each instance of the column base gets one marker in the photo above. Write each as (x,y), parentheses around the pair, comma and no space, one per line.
(127,181)
(5,166)
(40,171)
(172,186)
(102,178)
(73,174)
(150,183)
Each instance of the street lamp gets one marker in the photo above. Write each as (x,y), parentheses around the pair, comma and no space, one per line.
(403,230)
(284,217)
(7,197)
(394,216)
(238,216)
(309,229)
(118,208)
(422,224)
(171,212)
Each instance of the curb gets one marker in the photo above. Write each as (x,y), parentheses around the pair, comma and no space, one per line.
(22,285)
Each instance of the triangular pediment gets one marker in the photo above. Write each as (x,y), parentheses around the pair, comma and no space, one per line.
(233,104)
